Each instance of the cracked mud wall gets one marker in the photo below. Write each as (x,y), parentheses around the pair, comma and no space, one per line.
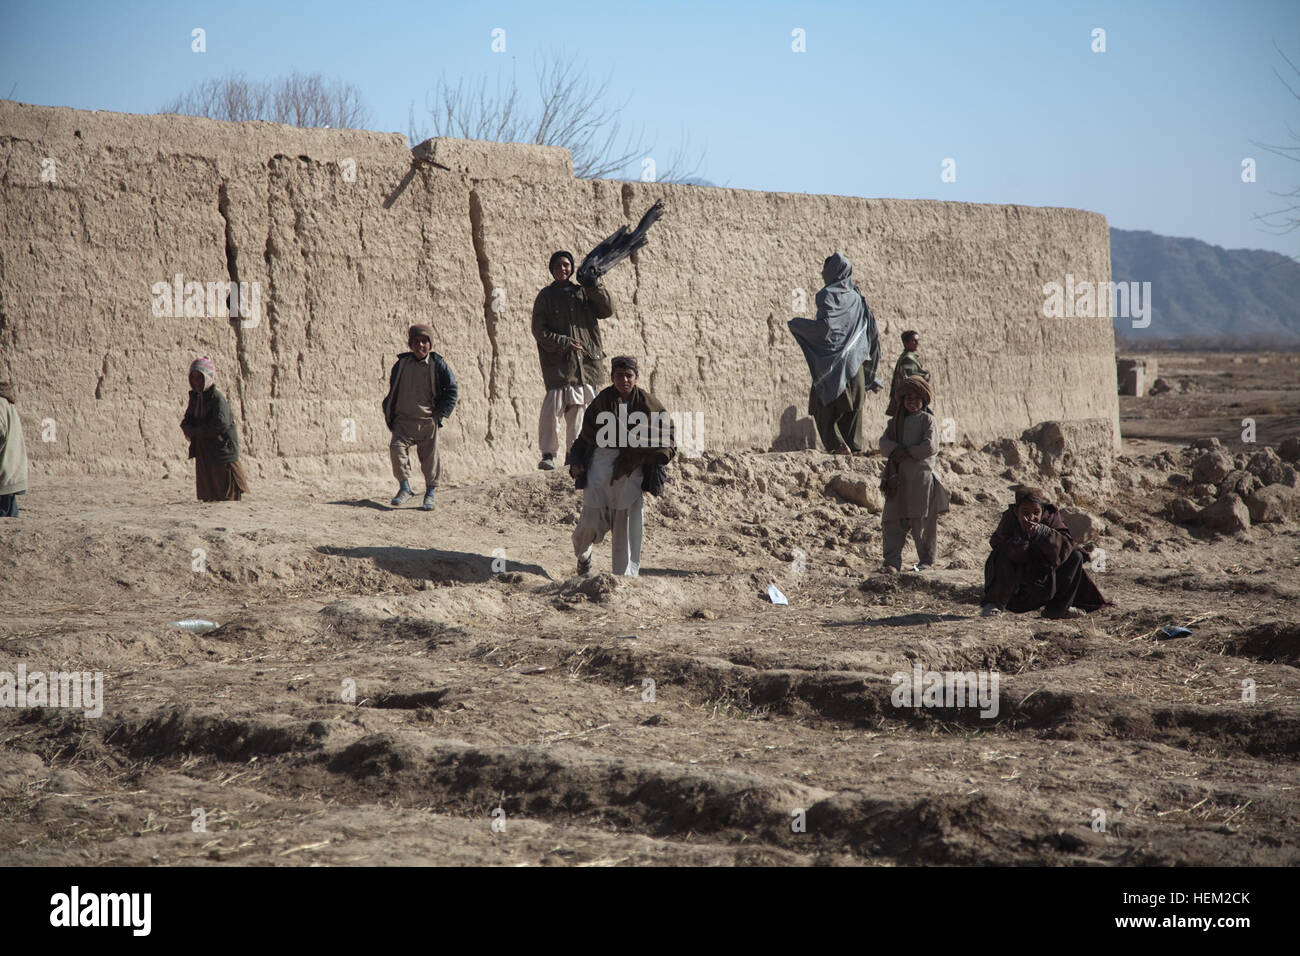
(344,263)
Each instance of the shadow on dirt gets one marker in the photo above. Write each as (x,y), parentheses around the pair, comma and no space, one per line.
(678,573)
(1277,642)
(424,564)
(902,620)
(365,503)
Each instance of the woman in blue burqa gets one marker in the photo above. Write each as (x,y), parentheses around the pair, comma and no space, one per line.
(842,346)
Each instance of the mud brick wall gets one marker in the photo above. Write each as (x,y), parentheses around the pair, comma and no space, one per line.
(349,239)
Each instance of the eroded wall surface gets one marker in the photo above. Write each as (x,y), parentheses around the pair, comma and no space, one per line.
(348,239)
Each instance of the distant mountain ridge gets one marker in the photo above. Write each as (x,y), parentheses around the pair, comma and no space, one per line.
(1207,295)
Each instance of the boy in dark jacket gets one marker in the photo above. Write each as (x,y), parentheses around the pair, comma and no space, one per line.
(214,442)
(626,440)
(421,393)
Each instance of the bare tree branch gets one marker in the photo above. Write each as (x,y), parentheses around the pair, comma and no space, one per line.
(298,99)
(1283,220)
(572,111)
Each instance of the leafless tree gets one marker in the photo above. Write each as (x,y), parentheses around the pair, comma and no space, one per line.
(572,111)
(297,99)
(1284,220)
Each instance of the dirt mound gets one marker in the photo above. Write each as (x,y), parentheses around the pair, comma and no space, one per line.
(1274,642)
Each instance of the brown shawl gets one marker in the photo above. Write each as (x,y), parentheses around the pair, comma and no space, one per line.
(889,479)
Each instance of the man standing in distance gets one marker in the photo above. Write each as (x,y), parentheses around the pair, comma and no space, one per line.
(567,328)
(908,364)
(842,348)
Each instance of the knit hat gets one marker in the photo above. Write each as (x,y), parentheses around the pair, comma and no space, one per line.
(207,369)
(556,257)
(1030,493)
(915,383)
(623,361)
(420,330)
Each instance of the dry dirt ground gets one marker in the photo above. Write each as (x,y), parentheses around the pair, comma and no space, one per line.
(502,710)
(1211,392)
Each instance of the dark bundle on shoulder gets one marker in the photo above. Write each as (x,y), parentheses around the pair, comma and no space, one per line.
(618,247)
(653,479)
(580,453)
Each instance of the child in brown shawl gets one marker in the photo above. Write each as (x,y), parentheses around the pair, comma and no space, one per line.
(214,443)
(914,496)
(1035,563)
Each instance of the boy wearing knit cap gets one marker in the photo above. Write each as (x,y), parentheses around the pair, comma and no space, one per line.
(214,440)
(421,393)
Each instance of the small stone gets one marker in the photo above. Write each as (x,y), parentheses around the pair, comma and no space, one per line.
(863,493)
(1184,511)
(1080,524)
(1289,449)
(1274,503)
(1207,444)
(1007,449)
(1262,462)
(1159,387)
(1080,839)
(1211,468)
(1228,515)
(1239,483)
(1275,474)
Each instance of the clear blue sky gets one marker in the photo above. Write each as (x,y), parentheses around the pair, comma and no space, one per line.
(1150,133)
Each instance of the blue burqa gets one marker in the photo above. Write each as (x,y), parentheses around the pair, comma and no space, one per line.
(843,337)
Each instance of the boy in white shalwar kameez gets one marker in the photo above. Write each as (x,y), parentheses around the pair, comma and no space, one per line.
(625,442)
